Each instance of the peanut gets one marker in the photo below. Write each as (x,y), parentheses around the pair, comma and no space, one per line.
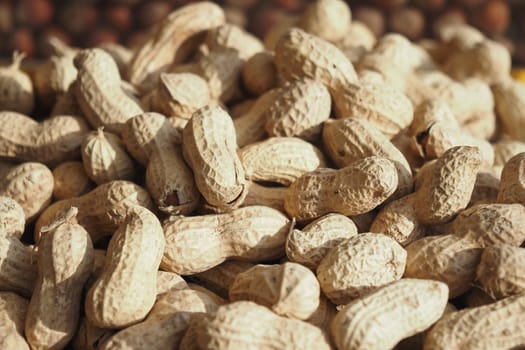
(311,244)
(358,40)
(125,291)
(12,218)
(359,265)
(51,141)
(100,211)
(280,159)
(415,304)
(512,185)
(89,337)
(485,190)
(54,77)
(327,19)
(504,150)
(249,234)
(233,37)
(17,89)
(219,279)
(71,181)
(12,316)
(355,189)
(18,272)
(288,289)
(259,73)
(509,96)
(105,158)
(272,197)
(210,148)
(65,259)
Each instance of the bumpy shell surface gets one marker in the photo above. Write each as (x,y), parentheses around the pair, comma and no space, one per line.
(17,89)
(510,105)
(18,271)
(512,183)
(327,19)
(12,218)
(233,37)
(13,309)
(71,180)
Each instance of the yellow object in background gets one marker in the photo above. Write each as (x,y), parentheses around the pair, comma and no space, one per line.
(519,74)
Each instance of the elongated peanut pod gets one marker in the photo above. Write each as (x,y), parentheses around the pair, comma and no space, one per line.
(13,309)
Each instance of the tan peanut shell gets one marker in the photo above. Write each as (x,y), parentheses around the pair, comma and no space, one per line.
(210,148)
(180,94)
(66,104)
(355,189)
(288,289)
(120,54)
(477,297)
(167,281)
(125,291)
(89,337)
(311,244)
(198,243)
(17,88)
(491,224)
(233,37)
(357,41)
(359,265)
(397,311)
(30,184)
(500,271)
(302,55)
(348,140)
(299,110)
(100,211)
(51,141)
(71,180)
(272,197)
(259,73)
(12,218)
(486,189)
(327,19)
(13,309)
(509,96)
(53,78)
(512,182)
(65,259)
(220,278)
(505,149)
(105,158)
(280,159)
(18,271)
(166,323)
(448,187)
(446,258)
(99,93)
(398,220)
(494,326)
(246,325)
(173,40)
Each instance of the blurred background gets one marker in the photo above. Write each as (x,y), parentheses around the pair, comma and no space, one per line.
(25,24)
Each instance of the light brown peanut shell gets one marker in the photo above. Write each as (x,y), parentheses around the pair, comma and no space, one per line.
(53,78)
(52,141)
(13,309)
(311,244)
(105,158)
(65,259)
(220,278)
(355,189)
(125,291)
(494,326)
(446,258)
(259,73)
(18,271)
(272,197)
(210,148)
(280,159)
(368,322)
(359,265)
(17,89)
(233,37)
(246,325)
(512,182)
(100,211)
(89,337)
(249,234)
(327,19)
(486,189)
(71,180)
(12,218)
(288,289)
(509,96)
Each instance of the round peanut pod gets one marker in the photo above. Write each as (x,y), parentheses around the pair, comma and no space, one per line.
(299,110)
(65,259)
(280,159)
(355,189)
(52,141)
(99,93)
(30,184)
(288,289)
(302,55)
(327,19)
(180,94)
(360,265)
(491,224)
(348,140)
(233,37)
(509,96)
(54,78)
(311,244)
(500,271)
(166,323)
(17,88)
(172,41)
(125,291)
(71,181)
(100,211)
(252,234)
(12,218)
(12,316)
(447,258)
(448,188)
(414,304)
(259,73)
(210,148)
(512,183)
(229,325)
(497,325)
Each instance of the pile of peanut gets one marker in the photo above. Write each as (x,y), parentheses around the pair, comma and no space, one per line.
(323,189)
